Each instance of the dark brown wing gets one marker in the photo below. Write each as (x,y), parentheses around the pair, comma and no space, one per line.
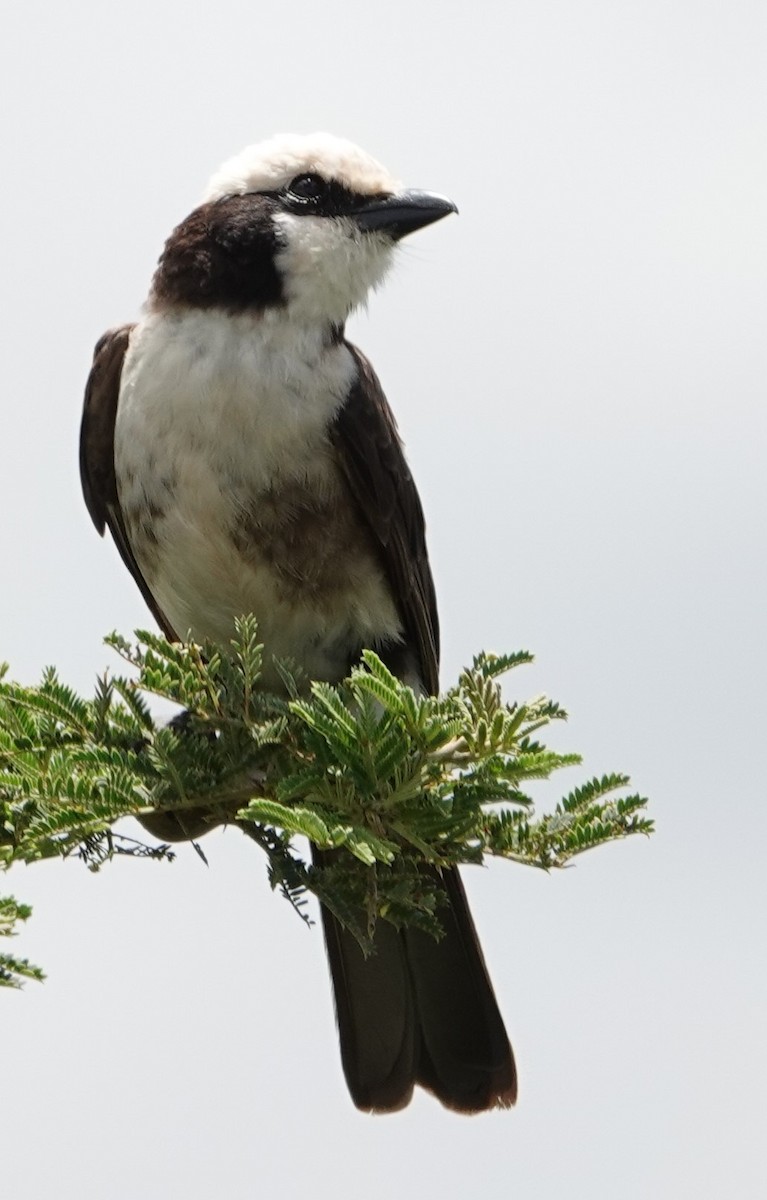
(97,464)
(371,456)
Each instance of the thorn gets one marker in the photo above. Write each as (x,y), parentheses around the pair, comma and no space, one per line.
(201,853)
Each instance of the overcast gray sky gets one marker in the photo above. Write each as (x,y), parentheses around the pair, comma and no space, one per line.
(578,365)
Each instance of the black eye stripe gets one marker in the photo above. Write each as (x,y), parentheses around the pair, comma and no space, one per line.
(310,194)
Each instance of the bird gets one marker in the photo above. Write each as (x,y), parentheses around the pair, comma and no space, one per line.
(243,456)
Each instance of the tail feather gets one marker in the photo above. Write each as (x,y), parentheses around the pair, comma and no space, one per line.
(465,1059)
(420,1011)
(376,1020)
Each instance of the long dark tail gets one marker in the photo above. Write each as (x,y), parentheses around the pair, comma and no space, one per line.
(420,1011)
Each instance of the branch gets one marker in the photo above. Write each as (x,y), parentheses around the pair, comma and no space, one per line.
(379,779)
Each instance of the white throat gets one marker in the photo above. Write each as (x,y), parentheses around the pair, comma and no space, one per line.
(328,266)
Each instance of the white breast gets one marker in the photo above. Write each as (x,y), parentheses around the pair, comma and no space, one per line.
(228,486)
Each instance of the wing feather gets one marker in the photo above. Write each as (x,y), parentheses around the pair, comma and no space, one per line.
(97,460)
(373,462)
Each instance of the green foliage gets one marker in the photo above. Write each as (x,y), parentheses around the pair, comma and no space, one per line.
(13,971)
(380,780)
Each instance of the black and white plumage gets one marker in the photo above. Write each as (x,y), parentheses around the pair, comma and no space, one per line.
(245,459)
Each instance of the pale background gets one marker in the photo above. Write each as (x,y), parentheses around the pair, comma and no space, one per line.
(578,366)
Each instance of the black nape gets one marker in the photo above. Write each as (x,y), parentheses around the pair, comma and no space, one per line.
(223,255)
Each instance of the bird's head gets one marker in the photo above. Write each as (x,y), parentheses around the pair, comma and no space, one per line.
(308,223)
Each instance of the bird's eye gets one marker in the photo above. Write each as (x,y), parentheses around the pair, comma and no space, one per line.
(308,188)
